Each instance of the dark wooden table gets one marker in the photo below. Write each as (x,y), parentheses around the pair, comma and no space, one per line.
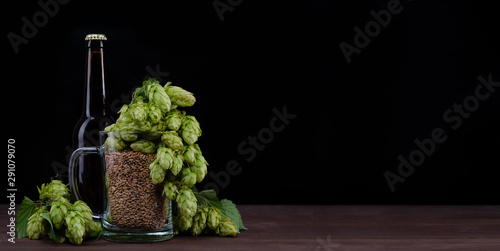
(325,228)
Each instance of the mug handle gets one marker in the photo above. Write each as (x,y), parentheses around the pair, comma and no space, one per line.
(82,151)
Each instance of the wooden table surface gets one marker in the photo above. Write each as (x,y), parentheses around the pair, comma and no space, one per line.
(314,228)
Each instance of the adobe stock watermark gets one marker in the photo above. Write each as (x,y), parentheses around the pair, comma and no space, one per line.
(327,244)
(40,19)
(372,29)
(454,117)
(250,148)
(92,137)
(222,7)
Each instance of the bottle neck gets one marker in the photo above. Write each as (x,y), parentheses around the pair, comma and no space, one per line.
(96,101)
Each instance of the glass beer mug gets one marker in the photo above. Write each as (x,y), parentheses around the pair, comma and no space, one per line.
(134,208)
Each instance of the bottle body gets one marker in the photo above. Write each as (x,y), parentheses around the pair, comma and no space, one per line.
(96,116)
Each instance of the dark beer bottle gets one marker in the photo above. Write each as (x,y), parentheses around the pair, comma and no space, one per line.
(96,116)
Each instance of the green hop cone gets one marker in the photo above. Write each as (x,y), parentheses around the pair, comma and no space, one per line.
(58,210)
(84,210)
(200,172)
(138,110)
(37,225)
(190,153)
(179,96)
(199,221)
(165,157)
(53,190)
(174,119)
(154,113)
(213,218)
(114,144)
(143,126)
(188,177)
(182,224)
(190,129)
(186,203)
(125,118)
(226,228)
(177,164)
(143,146)
(157,96)
(157,172)
(189,136)
(172,140)
(170,189)
(160,126)
(75,230)
(93,230)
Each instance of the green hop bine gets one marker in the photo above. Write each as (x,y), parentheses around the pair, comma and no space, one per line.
(179,96)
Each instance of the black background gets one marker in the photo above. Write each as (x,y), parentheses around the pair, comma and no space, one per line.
(352,119)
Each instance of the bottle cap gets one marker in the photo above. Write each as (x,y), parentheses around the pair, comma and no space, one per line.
(95,37)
